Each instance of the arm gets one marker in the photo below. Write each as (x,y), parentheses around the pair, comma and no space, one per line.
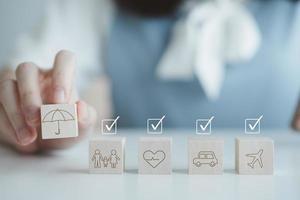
(25,87)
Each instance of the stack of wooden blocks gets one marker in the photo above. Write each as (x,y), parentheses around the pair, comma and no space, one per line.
(254,155)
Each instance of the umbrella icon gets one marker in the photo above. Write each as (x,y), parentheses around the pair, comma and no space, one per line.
(58,115)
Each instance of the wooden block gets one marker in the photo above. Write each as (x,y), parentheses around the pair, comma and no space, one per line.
(59,121)
(155,155)
(205,155)
(254,155)
(107,155)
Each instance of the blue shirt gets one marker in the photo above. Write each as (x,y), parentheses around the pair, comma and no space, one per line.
(268,84)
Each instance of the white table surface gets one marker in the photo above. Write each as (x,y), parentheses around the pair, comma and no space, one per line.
(64,174)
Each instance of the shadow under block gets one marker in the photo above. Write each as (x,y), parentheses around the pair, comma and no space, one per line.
(205,155)
(107,155)
(155,155)
(59,121)
(254,155)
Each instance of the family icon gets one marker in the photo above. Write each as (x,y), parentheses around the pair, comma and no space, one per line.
(106,155)
(112,159)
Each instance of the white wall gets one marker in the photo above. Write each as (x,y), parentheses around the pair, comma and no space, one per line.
(17,17)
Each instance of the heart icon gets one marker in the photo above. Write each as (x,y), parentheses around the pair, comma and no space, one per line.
(154,158)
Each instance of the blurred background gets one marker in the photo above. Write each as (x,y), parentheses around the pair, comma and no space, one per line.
(16,18)
(265,83)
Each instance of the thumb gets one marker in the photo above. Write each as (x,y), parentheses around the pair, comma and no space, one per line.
(87,116)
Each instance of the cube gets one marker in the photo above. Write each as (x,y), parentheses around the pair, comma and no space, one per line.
(107,155)
(155,155)
(254,155)
(59,121)
(205,155)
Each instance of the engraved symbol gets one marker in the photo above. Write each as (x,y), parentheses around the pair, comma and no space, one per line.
(154,158)
(58,115)
(256,157)
(205,157)
(98,159)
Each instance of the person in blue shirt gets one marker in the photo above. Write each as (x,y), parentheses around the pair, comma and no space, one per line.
(141,38)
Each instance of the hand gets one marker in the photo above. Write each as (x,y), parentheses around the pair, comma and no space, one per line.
(24,91)
(296,119)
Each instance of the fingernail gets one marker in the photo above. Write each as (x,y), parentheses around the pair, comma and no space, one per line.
(24,136)
(59,95)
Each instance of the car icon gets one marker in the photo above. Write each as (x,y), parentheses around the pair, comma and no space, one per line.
(205,157)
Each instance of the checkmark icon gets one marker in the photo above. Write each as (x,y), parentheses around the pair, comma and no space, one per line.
(159,122)
(252,126)
(204,125)
(109,124)
(154,126)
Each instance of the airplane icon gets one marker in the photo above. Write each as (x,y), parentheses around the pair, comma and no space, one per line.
(256,157)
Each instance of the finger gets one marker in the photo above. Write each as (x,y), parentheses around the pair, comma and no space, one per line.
(8,135)
(296,123)
(62,77)
(87,116)
(7,132)
(29,91)
(296,119)
(6,74)
(10,101)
